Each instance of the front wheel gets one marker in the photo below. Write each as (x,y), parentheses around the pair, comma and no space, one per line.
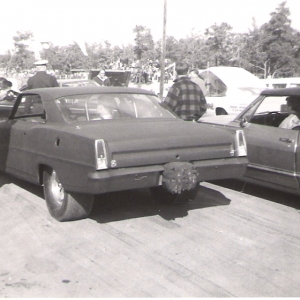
(65,206)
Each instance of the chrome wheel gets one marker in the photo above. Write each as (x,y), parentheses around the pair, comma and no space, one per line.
(57,189)
(62,205)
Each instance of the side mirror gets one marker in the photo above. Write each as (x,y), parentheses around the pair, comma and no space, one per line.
(243,122)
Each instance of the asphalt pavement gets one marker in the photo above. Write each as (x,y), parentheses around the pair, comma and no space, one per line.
(226,243)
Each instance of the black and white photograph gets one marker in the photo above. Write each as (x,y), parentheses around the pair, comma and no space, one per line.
(150,149)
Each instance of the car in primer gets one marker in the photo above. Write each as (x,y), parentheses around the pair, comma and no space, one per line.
(82,141)
(230,89)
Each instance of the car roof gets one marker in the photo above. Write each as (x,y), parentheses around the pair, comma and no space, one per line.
(294,91)
(57,92)
(234,77)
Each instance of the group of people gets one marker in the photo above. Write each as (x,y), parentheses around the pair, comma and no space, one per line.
(186,97)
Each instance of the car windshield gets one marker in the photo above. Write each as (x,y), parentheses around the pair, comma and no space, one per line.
(94,107)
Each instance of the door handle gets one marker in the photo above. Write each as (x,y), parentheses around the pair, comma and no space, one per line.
(285,140)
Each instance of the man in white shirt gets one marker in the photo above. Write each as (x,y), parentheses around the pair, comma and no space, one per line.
(293,120)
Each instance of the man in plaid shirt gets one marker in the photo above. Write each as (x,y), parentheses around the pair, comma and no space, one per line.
(185,97)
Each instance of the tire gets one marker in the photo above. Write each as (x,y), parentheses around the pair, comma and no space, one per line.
(162,196)
(65,206)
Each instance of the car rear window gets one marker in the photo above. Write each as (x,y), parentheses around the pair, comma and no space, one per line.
(94,107)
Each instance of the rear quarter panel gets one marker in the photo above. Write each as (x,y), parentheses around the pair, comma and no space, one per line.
(71,155)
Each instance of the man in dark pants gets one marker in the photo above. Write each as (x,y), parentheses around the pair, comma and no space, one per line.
(41,79)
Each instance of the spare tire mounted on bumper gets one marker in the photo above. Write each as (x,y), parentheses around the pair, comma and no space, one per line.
(177,178)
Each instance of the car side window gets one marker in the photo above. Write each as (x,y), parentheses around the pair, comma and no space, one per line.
(270,112)
(31,109)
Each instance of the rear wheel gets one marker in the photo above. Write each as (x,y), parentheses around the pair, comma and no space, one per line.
(65,206)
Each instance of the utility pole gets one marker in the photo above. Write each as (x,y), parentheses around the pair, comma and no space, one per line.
(162,69)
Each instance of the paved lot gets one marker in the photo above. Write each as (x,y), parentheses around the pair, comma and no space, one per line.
(223,244)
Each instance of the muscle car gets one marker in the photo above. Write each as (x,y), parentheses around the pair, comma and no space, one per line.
(82,141)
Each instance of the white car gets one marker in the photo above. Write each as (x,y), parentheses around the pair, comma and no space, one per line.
(278,83)
(230,89)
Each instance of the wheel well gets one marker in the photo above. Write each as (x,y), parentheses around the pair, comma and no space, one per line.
(221,111)
(42,168)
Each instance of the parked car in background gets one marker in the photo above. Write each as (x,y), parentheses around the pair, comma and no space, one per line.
(81,141)
(230,89)
(116,77)
(153,87)
(279,83)
(7,105)
(273,152)
(76,82)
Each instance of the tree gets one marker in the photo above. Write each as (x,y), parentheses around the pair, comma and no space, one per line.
(218,43)
(143,43)
(190,50)
(275,44)
(22,58)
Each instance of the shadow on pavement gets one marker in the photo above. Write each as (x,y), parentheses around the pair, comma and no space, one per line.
(132,204)
(261,192)
(30,187)
(140,203)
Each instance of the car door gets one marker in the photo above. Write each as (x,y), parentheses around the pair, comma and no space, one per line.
(21,144)
(271,150)
(271,154)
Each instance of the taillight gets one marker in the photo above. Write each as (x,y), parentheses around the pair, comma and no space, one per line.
(101,155)
(240,143)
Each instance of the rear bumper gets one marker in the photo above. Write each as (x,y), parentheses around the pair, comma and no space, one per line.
(142,177)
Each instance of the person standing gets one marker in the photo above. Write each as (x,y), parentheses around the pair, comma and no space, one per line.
(6,92)
(41,79)
(185,97)
(102,79)
(195,77)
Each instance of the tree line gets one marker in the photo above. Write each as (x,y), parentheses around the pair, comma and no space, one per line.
(271,50)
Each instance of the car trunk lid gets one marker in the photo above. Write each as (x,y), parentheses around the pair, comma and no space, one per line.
(144,142)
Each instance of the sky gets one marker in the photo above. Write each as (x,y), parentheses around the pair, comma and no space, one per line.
(62,22)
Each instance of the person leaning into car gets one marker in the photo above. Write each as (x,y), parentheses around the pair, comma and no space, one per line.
(41,79)
(293,120)
(195,77)
(185,97)
(102,79)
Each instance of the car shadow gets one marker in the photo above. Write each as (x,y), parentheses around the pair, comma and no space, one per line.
(30,187)
(132,204)
(269,194)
